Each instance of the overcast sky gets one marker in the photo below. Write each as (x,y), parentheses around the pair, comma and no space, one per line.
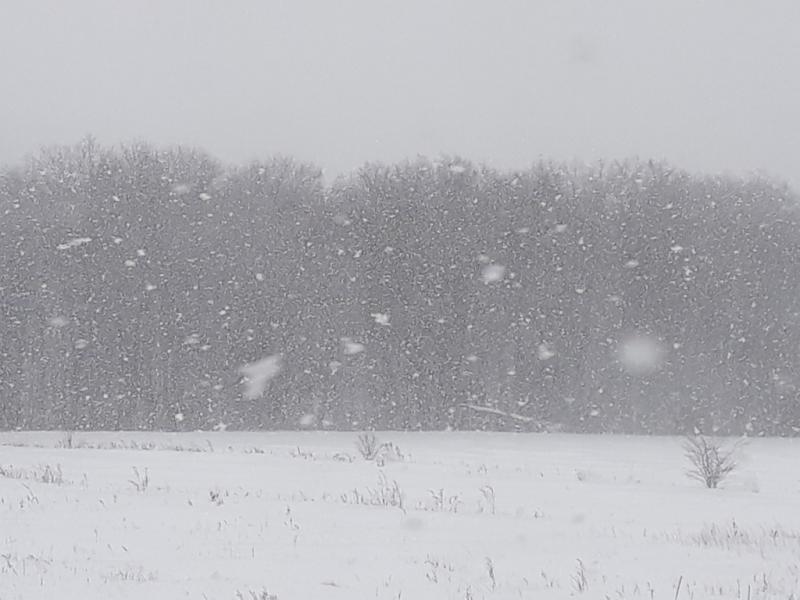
(708,85)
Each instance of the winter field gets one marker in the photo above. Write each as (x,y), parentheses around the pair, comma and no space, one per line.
(444,515)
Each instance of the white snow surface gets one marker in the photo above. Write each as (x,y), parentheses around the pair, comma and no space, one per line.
(495,516)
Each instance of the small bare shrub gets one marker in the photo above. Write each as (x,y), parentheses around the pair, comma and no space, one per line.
(42,474)
(729,536)
(579,581)
(368,445)
(298,453)
(52,475)
(181,448)
(141,480)
(138,575)
(711,463)
(120,445)
(386,494)
(440,502)
(437,568)
(488,504)
(490,572)
(68,441)
(389,452)
(370,448)
(11,473)
(261,594)
(30,498)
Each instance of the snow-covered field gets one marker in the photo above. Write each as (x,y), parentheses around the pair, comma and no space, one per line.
(303,515)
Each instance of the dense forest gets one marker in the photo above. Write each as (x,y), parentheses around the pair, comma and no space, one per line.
(136,283)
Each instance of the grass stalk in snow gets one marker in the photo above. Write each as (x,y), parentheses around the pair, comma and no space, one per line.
(141,480)
(44,474)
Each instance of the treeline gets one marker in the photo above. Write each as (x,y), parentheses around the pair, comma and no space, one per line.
(135,283)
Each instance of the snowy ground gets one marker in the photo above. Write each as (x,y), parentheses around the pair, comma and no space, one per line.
(287,515)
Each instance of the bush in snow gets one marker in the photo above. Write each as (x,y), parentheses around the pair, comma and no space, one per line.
(261,594)
(44,474)
(371,448)
(368,445)
(388,494)
(67,441)
(141,480)
(711,463)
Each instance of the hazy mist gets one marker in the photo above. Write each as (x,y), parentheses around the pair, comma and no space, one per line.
(706,85)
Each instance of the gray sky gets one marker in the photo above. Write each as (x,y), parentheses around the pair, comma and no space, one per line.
(709,85)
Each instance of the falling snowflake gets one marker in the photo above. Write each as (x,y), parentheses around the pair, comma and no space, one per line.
(257,374)
(493,273)
(341,220)
(640,354)
(74,243)
(381,318)
(58,321)
(350,347)
(544,352)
